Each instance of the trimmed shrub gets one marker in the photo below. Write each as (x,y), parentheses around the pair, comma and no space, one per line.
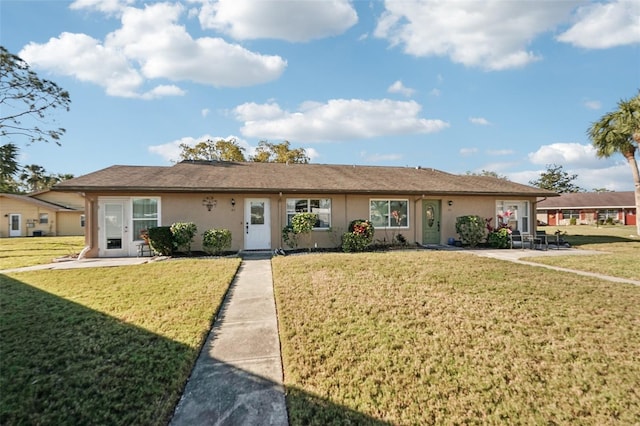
(302,224)
(161,240)
(499,238)
(183,233)
(573,221)
(471,229)
(359,237)
(215,241)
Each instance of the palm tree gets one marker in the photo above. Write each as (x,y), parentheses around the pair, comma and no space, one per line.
(33,177)
(619,131)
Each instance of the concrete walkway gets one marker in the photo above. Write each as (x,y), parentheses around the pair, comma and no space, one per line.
(516,255)
(237,379)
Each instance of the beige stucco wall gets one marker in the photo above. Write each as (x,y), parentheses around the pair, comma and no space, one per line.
(175,207)
(30,215)
(72,200)
(69,223)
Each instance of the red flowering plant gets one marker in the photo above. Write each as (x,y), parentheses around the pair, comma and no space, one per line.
(498,237)
(360,236)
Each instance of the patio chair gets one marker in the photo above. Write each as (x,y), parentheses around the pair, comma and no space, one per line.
(541,241)
(515,239)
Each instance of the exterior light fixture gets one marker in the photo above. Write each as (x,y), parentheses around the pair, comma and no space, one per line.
(209,203)
(450,203)
(233,202)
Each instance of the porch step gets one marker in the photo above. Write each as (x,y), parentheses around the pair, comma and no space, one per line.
(256,254)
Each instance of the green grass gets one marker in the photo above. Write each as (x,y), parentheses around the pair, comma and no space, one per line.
(621,250)
(29,251)
(448,338)
(104,345)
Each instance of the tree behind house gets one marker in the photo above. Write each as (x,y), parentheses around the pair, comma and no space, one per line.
(556,179)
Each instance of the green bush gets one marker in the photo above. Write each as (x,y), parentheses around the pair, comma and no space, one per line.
(303,223)
(215,241)
(161,240)
(183,233)
(471,229)
(499,238)
(359,237)
(573,221)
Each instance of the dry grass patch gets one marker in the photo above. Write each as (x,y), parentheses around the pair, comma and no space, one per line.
(104,345)
(435,337)
(29,251)
(620,257)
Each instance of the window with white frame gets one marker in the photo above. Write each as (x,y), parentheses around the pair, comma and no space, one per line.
(606,214)
(146,215)
(319,206)
(571,214)
(385,213)
(44,218)
(514,214)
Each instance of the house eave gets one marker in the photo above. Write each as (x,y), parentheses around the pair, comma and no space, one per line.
(276,190)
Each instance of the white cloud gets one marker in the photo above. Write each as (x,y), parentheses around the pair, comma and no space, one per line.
(500,152)
(379,158)
(150,44)
(398,87)
(435,92)
(468,151)
(616,177)
(205,112)
(593,104)
(336,120)
(605,25)
(479,121)
(105,6)
(492,34)
(294,21)
(567,154)
(313,154)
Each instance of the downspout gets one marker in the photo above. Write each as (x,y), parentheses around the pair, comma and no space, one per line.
(535,213)
(280,218)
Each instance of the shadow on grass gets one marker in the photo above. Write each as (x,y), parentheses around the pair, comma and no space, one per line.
(63,363)
(579,240)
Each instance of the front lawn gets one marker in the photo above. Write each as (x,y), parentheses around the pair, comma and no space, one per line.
(29,251)
(621,250)
(447,338)
(104,345)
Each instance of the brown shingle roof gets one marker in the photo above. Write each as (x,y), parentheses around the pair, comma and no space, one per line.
(247,177)
(37,202)
(589,199)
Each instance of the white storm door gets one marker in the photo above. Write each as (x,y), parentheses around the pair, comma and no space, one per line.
(114,229)
(257,224)
(15,225)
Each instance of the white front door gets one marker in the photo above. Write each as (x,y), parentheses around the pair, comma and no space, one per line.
(114,217)
(15,225)
(257,224)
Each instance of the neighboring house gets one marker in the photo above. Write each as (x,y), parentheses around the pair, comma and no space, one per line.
(256,200)
(41,213)
(588,208)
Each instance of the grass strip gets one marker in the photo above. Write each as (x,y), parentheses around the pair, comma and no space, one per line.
(104,345)
(446,338)
(29,251)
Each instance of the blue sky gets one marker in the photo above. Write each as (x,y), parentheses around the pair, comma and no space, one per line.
(507,86)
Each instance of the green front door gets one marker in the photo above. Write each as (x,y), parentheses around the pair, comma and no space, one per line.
(430,221)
